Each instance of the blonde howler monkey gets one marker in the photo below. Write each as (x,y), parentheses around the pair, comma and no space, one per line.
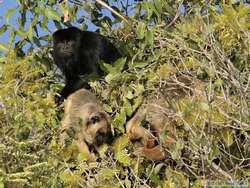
(86,122)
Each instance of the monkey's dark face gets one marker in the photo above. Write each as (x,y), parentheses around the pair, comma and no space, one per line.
(66,42)
(65,48)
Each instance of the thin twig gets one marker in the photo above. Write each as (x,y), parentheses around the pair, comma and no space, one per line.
(112,10)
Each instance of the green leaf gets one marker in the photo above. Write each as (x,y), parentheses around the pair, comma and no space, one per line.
(158,6)
(30,33)
(138,64)
(53,14)
(107,108)
(11,38)
(3,29)
(140,30)
(158,9)
(137,102)
(107,173)
(21,33)
(164,71)
(120,120)
(119,65)
(70,178)
(121,154)
(148,6)
(128,107)
(102,150)
(44,23)
(9,13)
(3,48)
(120,143)
(115,68)
(204,106)
(176,149)
(150,37)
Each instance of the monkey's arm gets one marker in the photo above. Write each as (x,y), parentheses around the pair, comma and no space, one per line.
(83,148)
(156,153)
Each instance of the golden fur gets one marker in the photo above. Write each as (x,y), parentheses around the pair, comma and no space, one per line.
(85,117)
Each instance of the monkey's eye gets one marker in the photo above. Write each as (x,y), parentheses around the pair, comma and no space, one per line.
(95,119)
(145,124)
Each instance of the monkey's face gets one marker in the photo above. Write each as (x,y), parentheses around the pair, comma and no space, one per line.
(95,125)
(65,48)
(145,136)
(141,133)
(66,42)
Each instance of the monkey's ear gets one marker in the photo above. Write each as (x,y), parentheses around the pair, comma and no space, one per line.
(107,117)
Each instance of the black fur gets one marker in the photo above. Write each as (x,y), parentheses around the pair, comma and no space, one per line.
(77,52)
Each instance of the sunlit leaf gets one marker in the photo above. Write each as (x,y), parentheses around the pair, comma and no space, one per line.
(30,33)
(53,14)
(107,173)
(140,30)
(228,136)
(3,48)
(120,120)
(121,154)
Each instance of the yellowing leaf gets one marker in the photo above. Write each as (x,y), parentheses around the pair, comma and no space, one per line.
(164,71)
(53,14)
(70,178)
(107,173)
(2,47)
(30,33)
(228,136)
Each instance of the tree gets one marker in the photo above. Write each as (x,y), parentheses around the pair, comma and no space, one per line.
(204,42)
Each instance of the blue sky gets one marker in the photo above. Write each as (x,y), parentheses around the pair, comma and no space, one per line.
(4,6)
(7,4)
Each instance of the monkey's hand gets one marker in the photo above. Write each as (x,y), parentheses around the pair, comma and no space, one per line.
(58,99)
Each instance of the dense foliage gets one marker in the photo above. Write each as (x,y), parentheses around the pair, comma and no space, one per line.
(208,44)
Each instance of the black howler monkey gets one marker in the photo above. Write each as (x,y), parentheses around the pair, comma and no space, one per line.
(77,52)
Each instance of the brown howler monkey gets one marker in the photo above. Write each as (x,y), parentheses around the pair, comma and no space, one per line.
(85,121)
(76,53)
(144,130)
(153,127)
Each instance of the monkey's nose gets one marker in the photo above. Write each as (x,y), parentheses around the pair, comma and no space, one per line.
(103,130)
(101,138)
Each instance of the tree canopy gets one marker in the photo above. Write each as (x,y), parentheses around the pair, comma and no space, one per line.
(205,42)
